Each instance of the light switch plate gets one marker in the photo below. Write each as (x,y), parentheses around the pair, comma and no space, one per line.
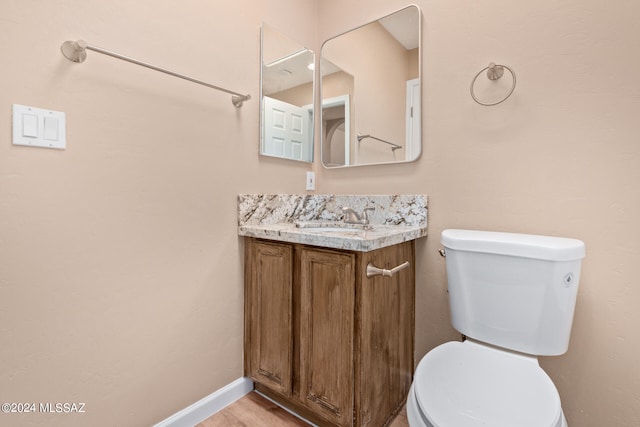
(36,127)
(311,181)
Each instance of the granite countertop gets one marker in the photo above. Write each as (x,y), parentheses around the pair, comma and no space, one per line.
(355,239)
(304,219)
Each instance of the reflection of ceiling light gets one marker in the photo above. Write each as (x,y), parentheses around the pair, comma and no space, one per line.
(286,57)
(311,66)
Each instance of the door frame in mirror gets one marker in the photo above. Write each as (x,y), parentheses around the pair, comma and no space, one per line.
(337,101)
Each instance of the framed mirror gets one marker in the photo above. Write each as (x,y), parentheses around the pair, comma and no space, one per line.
(371,92)
(286,97)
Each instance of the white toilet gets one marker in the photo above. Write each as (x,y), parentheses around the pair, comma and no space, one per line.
(513,297)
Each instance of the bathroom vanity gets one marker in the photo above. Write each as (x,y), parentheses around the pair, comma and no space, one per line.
(322,336)
(329,319)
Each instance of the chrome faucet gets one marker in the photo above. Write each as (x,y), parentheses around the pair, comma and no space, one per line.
(352,217)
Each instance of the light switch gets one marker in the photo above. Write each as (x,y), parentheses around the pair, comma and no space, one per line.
(36,127)
(30,125)
(311,180)
(50,128)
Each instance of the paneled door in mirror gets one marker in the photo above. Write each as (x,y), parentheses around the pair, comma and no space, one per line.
(286,97)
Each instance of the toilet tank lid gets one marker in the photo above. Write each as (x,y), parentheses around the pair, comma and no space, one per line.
(524,245)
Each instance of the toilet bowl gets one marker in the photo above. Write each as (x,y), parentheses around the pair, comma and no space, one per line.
(513,297)
(470,384)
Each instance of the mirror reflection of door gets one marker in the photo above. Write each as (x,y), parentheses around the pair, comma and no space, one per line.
(413,114)
(287,130)
(286,101)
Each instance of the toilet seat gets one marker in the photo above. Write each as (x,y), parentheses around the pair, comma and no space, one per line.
(468,384)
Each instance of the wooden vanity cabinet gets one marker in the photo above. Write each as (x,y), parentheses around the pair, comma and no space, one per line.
(268,314)
(324,339)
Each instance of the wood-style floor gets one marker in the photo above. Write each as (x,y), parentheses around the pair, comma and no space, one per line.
(254,410)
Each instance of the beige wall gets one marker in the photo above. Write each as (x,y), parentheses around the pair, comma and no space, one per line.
(120,268)
(298,95)
(364,54)
(560,157)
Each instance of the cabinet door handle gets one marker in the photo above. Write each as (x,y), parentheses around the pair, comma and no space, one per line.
(372,270)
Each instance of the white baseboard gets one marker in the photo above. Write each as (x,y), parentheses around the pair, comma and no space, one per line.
(209,405)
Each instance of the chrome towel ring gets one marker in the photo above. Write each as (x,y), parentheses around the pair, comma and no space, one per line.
(494,72)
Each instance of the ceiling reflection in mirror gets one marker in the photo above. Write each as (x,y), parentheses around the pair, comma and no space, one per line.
(286,101)
(370,88)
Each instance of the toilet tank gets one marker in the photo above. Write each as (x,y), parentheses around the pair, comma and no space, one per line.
(516,291)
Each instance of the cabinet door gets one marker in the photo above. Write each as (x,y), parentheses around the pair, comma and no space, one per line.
(268,314)
(384,347)
(327,285)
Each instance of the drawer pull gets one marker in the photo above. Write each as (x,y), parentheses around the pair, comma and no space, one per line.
(372,270)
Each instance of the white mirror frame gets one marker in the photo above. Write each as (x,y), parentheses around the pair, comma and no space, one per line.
(413,131)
